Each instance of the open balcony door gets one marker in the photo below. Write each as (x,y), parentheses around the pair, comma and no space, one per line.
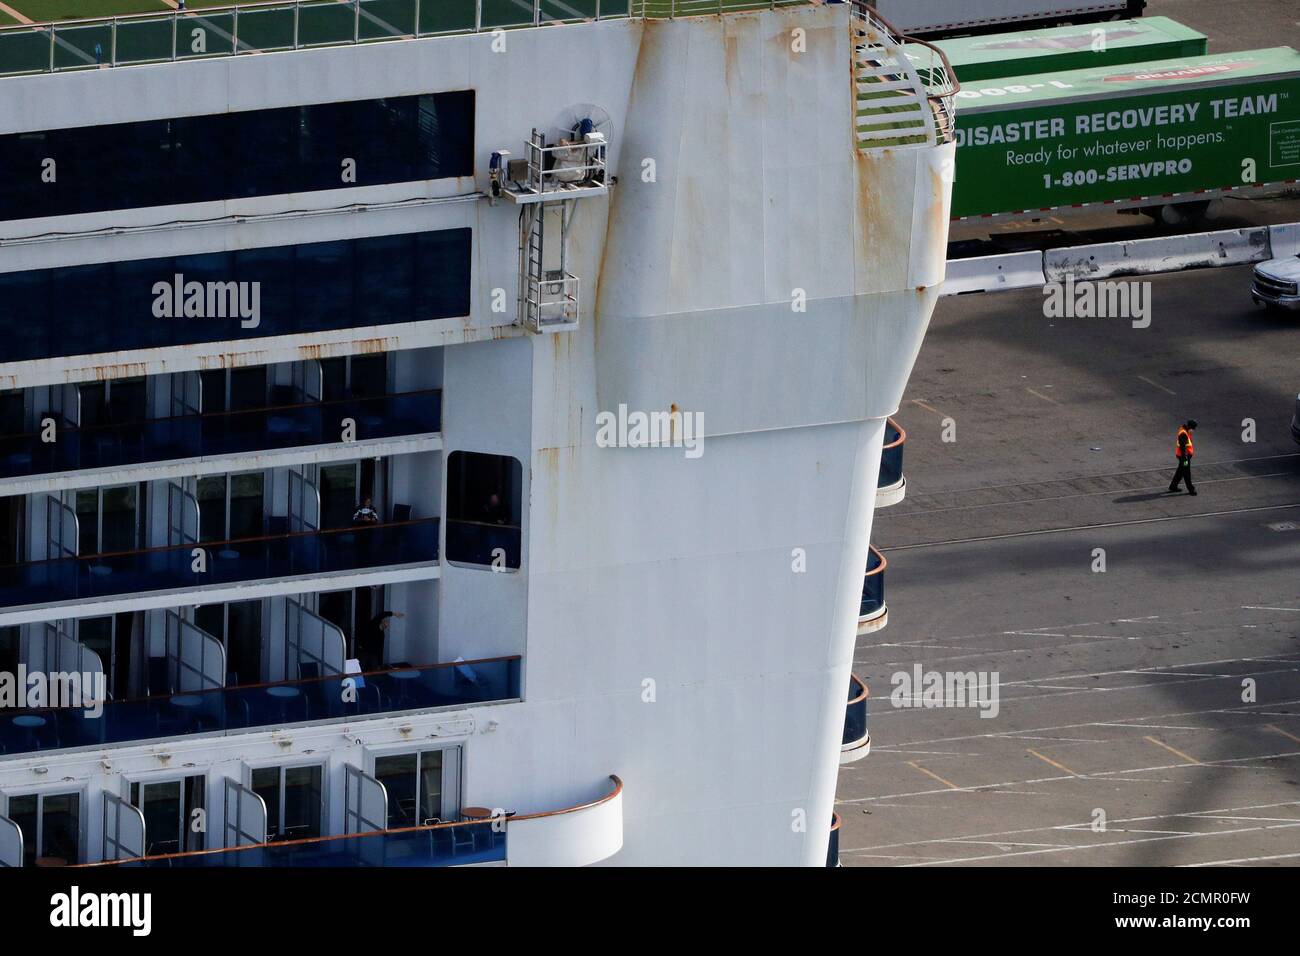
(195,659)
(245,823)
(182,514)
(11,843)
(123,829)
(304,500)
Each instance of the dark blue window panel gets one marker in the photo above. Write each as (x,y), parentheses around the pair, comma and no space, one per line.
(384,280)
(237,155)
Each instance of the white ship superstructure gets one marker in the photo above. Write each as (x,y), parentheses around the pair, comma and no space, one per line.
(291,340)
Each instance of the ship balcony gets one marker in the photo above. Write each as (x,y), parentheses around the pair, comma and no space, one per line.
(856,742)
(891,486)
(578,835)
(873,612)
(209,443)
(242,568)
(833,847)
(225,710)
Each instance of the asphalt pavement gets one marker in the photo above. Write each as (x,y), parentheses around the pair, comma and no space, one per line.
(1148,713)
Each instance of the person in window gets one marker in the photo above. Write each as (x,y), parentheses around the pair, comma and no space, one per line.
(494,511)
(370,646)
(366,513)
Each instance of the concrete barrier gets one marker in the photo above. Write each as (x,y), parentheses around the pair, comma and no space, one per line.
(1015,270)
(1161,254)
(1284,240)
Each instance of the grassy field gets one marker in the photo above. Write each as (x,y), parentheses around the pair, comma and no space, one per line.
(44,10)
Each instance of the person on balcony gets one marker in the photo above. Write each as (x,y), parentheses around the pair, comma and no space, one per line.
(1183,451)
(494,511)
(366,513)
(370,646)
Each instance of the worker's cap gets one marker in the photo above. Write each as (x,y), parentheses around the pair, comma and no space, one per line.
(1191,423)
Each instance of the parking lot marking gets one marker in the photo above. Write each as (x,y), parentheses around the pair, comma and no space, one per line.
(1058,766)
(1283,732)
(1167,391)
(1090,527)
(1069,826)
(1109,844)
(928,407)
(1176,753)
(1038,394)
(930,773)
(1246,859)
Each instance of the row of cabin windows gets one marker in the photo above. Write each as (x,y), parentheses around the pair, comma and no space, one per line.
(249,293)
(126,400)
(422,789)
(119,641)
(236,155)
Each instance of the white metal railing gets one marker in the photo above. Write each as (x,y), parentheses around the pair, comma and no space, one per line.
(551,300)
(905,96)
(551,169)
(272,25)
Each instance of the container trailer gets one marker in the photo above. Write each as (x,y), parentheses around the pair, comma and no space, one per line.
(1149,136)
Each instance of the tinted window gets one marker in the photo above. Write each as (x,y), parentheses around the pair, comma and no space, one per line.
(233,155)
(308,288)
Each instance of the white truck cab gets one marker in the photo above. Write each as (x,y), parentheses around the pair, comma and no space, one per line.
(1275,283)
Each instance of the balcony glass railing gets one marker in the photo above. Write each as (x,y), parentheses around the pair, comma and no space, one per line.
(891,456)
(855,714)
(228,562)
(444,844)
(255,706)
(873,585)
(474,542)
(210,435)
(296,24)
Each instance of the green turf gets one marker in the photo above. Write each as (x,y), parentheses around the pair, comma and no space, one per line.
(45,10)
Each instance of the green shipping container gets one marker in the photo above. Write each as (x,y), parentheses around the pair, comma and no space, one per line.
(1126,132)
(1085,46)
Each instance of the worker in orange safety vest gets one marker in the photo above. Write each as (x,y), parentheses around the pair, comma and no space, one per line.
(1183,451)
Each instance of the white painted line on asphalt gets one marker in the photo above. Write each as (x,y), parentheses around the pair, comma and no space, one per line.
(1089,527)
(1072,826)
(1108,844)
(1167,391)
(1245,859)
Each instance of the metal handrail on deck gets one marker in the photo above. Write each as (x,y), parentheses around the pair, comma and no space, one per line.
(277,25)
(935,81)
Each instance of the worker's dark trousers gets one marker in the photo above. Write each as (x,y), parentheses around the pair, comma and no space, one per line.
(1184,473)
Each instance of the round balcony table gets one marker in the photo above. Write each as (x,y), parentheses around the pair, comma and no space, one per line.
(29,721)
(284,694)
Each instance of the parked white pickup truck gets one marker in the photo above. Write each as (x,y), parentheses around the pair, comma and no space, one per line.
(1275,283)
